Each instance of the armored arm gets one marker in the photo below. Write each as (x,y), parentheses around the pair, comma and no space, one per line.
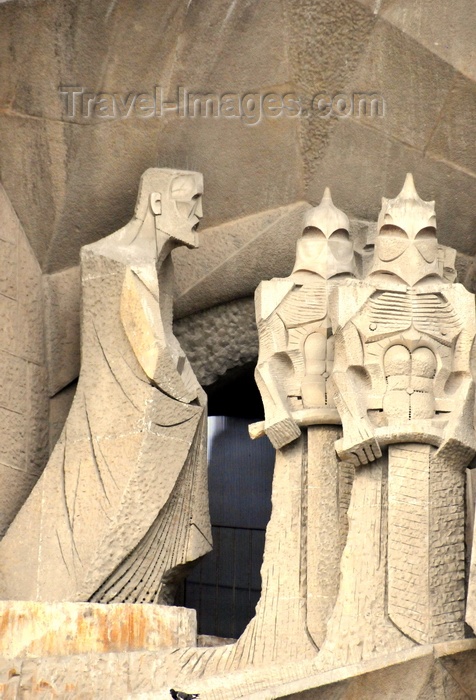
(459,433)
(273,367)
(350,384)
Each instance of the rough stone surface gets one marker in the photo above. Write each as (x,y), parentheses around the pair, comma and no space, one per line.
(62,293)
(30,630)
(441,672)
(219,339)
(322,65)
(23,382)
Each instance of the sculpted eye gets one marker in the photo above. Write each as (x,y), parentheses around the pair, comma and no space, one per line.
(393,231)
(312,230)
(341,246)
(339,235)
(427,233)
(426,243)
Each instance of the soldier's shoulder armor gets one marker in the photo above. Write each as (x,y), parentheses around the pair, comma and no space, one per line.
(304,303)
(269,294)
(347,299)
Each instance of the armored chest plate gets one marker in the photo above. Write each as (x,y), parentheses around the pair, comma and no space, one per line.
(390,312)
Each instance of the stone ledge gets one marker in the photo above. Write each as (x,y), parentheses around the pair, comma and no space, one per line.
(419,670)
(440,672)
(30,629)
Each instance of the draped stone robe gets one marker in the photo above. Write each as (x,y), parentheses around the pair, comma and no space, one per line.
(122,505)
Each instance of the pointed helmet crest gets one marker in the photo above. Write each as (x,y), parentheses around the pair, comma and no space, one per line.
(407,211)
(325,247)
(406,244)
(326,216)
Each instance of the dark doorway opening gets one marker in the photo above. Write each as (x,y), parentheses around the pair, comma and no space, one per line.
(225,587)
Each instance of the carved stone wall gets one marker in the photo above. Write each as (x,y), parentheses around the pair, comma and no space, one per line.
(219,339)
(418,56)
(23,374)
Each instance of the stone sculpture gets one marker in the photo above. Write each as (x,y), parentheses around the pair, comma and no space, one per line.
(122,506)
(403,386)
(307,531)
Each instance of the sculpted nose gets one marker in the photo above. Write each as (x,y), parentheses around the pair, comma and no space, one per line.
(198,208)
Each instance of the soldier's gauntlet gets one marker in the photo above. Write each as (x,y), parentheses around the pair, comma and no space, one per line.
(282,430)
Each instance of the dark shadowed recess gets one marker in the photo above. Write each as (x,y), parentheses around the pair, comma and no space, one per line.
(236,394)
(225,586)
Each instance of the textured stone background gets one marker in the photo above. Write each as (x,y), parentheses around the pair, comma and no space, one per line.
(72,182)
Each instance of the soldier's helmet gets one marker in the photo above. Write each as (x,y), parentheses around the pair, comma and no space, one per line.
(325,247)
(406,245)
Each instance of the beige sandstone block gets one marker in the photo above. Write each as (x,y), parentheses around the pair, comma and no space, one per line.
(449,140)
(410,116)
(30,629)
(441,28)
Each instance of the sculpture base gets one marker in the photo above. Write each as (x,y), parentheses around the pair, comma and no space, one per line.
(29,629)
(441,672)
